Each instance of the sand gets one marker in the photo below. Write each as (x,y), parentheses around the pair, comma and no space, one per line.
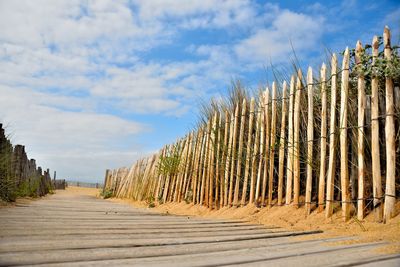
(83,190)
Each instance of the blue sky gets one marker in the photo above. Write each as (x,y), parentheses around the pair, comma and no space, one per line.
(90,85)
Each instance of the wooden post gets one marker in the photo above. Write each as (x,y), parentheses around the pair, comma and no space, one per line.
(233,156)
(296,132)
(344,172)
(375,153)
(224,161)
(168,177)
(218,193)
(190,167)
(256,156)
(205,161)
(390,192)
(228,158)
(282,145)
(186,176)
(181,168)
(310,138)
(196,163)
(322,169)
(212,162)
(248,152)
(272,145)
(332,140)
(261,151)
(290,150)
(160,177)
(201,163)
(360,138)
(240,152)
(267,147)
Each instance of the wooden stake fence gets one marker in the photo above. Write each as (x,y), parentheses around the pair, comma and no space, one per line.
(237,156)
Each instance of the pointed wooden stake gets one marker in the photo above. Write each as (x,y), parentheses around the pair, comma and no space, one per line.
(248,152)
(310,139)
(344,171)
(322,170)
(282,145)
(296,132)
(330,182)
(360,137)
(272,145)
(390,192)
(290,152)
(375,151)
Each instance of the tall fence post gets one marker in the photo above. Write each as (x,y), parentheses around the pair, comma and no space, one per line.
(330,182)
(248,152)
(256,156)
(290,150)
(267,147)
(390,192)
(344,172)
(272,145)
(310,137)
(322,170)
(296,144)
(282,140)
(233,155)
(375,151)
(361,134)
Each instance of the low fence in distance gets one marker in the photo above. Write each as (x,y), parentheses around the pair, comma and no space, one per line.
(84,184)
(59,184)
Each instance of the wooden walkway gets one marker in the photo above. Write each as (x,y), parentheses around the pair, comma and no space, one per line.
(80,230)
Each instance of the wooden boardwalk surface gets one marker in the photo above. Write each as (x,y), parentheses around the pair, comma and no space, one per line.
(80,230)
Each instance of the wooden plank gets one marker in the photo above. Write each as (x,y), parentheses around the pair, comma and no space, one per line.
(82,230)
(68,256)
(390,135)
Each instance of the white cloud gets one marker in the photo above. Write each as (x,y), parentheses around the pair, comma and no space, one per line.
(79,139)
(273,43)
(199,13)
(63,62)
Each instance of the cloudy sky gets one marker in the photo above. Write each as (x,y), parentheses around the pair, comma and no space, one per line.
(90,85)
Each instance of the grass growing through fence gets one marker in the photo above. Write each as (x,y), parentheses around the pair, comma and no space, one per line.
(106,193)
